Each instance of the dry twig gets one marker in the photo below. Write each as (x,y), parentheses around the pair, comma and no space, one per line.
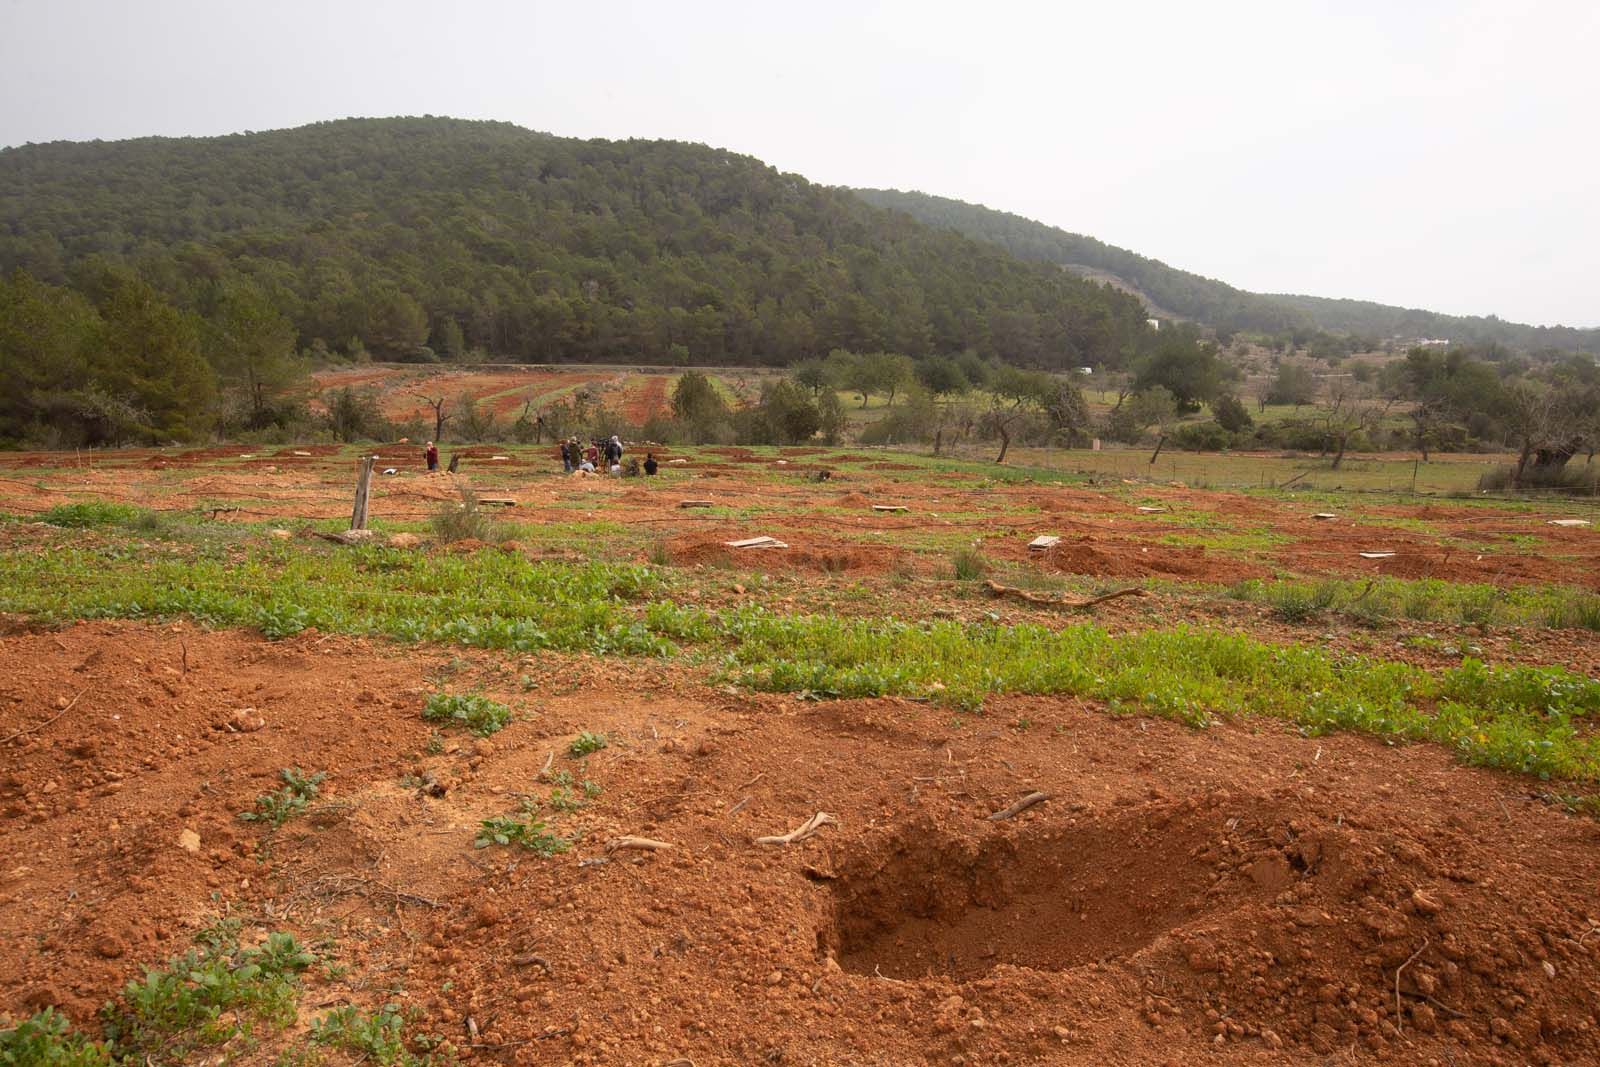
(801,832)
(1020,806)
(34,729)
(1399,1011)
(996,589)
(642,844)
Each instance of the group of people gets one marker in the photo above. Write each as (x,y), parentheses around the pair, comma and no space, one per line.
(599,456)
(574,457)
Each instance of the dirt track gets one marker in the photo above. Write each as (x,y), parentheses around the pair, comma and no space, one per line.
(1241,887)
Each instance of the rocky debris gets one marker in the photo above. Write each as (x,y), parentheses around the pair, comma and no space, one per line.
(245,721)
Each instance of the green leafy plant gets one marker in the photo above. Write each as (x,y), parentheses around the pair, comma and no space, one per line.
(569,797)
(277,808)
(378,1037)
(587,742)
(47,1040)
(527,832)
(473,710)
(205,998)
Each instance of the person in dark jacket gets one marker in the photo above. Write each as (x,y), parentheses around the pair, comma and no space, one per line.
(431,454)
(650,464)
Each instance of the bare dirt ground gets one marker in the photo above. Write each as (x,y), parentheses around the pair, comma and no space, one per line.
(1202,535)
(1240,893)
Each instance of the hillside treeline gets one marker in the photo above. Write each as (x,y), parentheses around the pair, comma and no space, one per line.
(435,238)
(1217,304)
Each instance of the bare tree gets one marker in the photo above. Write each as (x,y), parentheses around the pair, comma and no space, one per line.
(1534,417)
(1015,393)
(440,417)
(1349,408)
(1429,415)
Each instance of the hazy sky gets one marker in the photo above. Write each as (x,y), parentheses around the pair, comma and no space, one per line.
(1442,155)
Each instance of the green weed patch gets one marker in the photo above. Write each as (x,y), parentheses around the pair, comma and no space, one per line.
(484,599)
(1373,602)
(1521,718)
(277,808)
(474,711)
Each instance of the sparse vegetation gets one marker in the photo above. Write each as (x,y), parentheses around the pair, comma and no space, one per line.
(278,807)
(209,997)
(524,831)
(587,742)
(466,521)
(378,1037)
(968,564)
(473,710)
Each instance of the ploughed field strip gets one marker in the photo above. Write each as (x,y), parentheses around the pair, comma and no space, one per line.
(606,788)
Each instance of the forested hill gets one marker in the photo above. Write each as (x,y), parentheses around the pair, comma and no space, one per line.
(1216,303)
(431,237)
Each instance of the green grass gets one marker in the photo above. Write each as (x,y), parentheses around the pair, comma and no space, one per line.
(494,599)
(473,710)
(91,513)
(1378,601)
(484,599)
(1523,719)
(299,789)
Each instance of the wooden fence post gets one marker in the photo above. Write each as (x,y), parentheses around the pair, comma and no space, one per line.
(358,518)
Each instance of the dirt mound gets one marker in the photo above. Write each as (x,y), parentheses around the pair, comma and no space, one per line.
(807,554)
(853,500)
(1131,559)
(1420,559)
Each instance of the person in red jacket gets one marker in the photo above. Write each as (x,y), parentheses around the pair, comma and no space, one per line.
(432,456)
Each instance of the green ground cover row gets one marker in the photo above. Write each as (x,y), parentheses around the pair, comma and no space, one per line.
(1532,720)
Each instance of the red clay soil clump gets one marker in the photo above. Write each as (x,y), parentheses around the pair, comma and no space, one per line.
(1128,559)
(814,554)
(1419,559)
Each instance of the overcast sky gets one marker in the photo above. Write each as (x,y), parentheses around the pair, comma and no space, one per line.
(1441,155)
